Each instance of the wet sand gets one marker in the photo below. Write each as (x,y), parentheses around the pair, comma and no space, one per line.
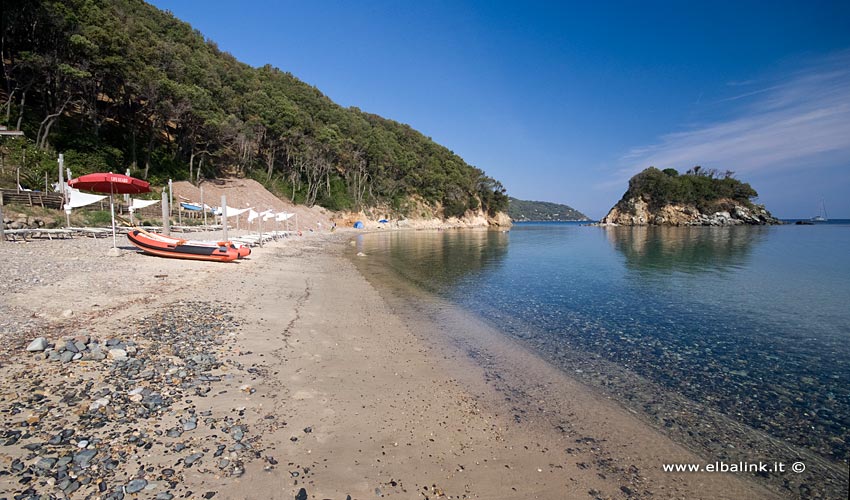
(336,390)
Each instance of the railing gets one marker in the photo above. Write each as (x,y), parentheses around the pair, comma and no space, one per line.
(54,201)
(31,198)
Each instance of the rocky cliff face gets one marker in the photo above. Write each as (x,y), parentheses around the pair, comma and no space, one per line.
(637,212)
(423,217)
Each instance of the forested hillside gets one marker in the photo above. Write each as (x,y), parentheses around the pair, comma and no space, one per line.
(525,210)
(116,84)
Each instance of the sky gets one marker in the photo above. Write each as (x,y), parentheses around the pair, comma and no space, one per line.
(565,101)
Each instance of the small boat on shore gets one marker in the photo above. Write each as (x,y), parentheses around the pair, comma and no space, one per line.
(242,250)
(193,207)
(167,246)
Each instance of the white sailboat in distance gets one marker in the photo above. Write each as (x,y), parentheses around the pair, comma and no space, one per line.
(821,217)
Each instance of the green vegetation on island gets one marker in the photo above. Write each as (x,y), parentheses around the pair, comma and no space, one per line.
(525,210)
(698,197)
(117,84)
(704,189)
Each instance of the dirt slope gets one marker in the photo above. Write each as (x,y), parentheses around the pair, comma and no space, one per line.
(242,193)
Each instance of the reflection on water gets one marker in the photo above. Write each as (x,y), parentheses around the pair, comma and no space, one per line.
(438,260)
(685,249)
(748,322)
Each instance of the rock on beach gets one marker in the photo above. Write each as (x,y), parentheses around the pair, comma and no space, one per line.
(37,345)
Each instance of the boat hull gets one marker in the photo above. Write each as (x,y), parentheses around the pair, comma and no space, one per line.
(164,246)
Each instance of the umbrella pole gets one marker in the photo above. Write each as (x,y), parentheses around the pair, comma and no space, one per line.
(112,211)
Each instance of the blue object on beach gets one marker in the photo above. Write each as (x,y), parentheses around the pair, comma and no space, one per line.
(358,225)
(383,221)
(191,206)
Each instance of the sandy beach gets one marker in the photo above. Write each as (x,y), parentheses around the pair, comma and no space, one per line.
(290,375)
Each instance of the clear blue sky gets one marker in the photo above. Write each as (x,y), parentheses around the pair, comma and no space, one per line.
(564,102)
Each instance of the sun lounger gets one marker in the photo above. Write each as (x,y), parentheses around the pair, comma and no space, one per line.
(94,232)
(256,239)
(23,234)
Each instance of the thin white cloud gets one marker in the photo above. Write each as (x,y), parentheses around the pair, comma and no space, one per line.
(741,83)
(800,122)
(749,94)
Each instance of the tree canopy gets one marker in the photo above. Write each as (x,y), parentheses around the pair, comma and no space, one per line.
(698,187)
(118,84)
(526,210)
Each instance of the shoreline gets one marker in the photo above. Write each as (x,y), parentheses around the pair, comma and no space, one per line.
(326,385)
(537,392)
(694,424)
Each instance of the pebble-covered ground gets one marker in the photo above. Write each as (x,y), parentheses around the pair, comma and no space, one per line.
(100,407)
(119,415)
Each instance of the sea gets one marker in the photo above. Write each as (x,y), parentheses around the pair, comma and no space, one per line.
(726,338)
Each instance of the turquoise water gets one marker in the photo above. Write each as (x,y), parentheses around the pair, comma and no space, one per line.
(751,323)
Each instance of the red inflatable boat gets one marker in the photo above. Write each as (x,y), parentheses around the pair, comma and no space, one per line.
(167,246)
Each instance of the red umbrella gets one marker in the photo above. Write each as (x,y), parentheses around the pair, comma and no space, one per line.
(110,183)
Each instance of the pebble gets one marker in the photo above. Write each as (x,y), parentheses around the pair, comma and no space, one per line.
(45,463)
(118,354)
(84,457)
(72,487)
(99,403)
(136,485)
(71,346)
(37,345)
(194,457)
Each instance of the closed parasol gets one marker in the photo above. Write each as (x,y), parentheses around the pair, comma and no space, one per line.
(112,184)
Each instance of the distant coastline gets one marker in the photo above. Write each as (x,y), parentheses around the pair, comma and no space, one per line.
(543,211)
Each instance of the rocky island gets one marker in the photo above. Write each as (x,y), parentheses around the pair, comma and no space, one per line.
(697,198)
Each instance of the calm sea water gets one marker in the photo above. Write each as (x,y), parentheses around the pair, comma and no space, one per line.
(749,322)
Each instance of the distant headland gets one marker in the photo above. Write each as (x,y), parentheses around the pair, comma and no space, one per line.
(526,210)
(700,197)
